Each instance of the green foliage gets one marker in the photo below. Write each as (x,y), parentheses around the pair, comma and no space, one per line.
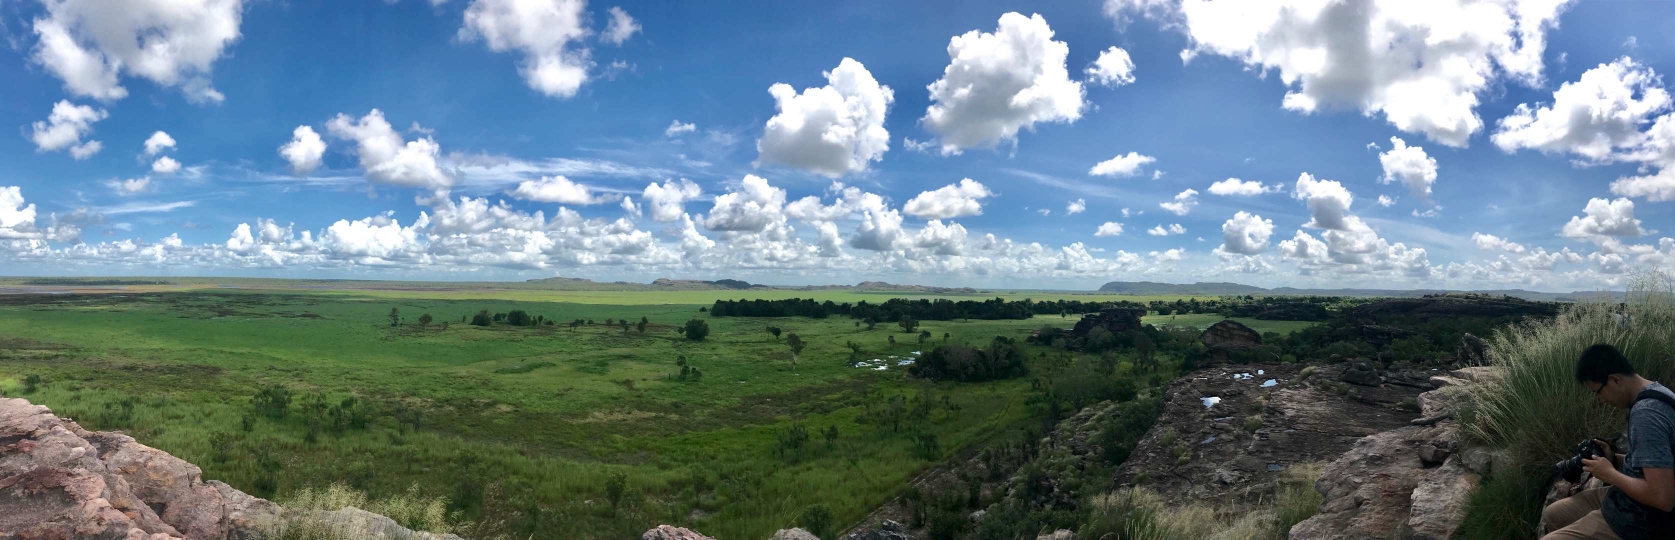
(1297,499)
(926,446)
(32,382)
(615,486)
(482,318)
(908,324)
(697,329)
(1001,360)
(518,317)
(273,401)
(791,440)
(395,317)
(817,519)
(424,320)
(774,330)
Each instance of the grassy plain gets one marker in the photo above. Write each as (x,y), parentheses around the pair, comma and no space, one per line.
(521,428)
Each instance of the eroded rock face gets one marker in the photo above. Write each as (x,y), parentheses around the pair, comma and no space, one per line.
(1228,340)
(885,530)
(793,534)
(58,480)
(1410,482)
(669,532)
(1237,448)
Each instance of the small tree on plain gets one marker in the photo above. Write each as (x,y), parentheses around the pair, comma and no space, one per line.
(796,344)
(870,323)
(641,326)
(908,324)
(924,335)
(624,324)
(395,317)
(697,329)
(615,485)
(944,337)
(774,330)
(424,320)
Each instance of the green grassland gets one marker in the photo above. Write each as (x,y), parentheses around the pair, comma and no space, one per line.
(521,428)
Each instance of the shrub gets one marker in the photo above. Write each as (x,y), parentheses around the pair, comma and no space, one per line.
(908,324)
(1297,498)
(518,317)
(791,440)
(817,519)
(31,383)
(272,402)
(411,510)
(615,485)
(697,329)
(926,446)
(1253,423)
(424,320)
(482,318)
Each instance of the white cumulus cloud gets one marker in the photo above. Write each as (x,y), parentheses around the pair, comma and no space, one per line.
(751,208)
(677,128)
(1162,230)
(832,130)
(1234,187)
(157,143)
(1422,65)
(621,27)
(165,165)
(950,201)
(1592,117)
(1605,218)
(65,127)
(1109,228)
(555,189)
(1410,166)
(998,83)
(1076,207)
(1123,165)
(1245,234)
(304,151)
(544,31)
(1182,203)
(1113,68)
(666,201)
(386,157)
(89,44)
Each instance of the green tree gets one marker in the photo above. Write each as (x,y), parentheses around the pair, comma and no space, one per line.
(624,324)
(272,401)
(482,318)
(817,519)
(924,335)
(908,324)
(518,317)
(774,330)
(395,317)
(641,326)
(424,320)
(615,486)
(697,329)
(796,344)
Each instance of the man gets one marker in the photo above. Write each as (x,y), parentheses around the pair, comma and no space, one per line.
(1639,502)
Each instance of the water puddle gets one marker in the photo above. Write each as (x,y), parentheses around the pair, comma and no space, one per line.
(1269,383)
(1210,401)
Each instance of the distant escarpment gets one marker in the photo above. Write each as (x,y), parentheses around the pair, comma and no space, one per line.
(58,480)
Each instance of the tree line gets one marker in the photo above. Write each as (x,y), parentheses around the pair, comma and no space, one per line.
(895,309)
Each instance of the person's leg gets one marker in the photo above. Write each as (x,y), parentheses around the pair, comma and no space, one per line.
(1568,510)
(1590,527)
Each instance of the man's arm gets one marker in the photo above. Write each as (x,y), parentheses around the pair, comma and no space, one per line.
(1657,490)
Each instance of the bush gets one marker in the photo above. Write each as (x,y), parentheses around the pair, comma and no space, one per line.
(817,519)
(518,317)
(615,486)
(31,383)
(1297,498)
(411,510)
(697,329)
(272,402)
(482,318)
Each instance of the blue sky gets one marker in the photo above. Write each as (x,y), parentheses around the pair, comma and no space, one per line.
(482,141)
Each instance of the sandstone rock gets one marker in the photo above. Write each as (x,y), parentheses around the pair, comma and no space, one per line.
(1439,501)
(1368,489)
(668,532)
(58,480)
(1229,341)
(1361,373)
(793,534)
(1473,351)
(885,530)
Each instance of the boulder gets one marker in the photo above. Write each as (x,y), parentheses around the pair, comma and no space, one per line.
(1061,534)
(1439,501)
(58,480)
(1368,490)
(1229,341)
(669,532)
(793,534)
(1361,373)
(1473,351)
(885,530)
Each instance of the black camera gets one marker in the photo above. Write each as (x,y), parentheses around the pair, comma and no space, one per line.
(1571,469)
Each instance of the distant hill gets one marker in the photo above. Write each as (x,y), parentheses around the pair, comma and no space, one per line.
(880,286)
(1220,289)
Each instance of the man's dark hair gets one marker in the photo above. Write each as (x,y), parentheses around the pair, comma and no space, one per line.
(1601,361)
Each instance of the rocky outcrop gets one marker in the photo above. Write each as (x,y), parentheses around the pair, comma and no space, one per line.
(1454,305)
(1409,482)
(669,532)
(1227,434)
(1115,319)
(1473,351)
(58,480)
(1229,341)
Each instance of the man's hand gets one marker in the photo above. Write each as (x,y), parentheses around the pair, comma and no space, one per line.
(1602,469)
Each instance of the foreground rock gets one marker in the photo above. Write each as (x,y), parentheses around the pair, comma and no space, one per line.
(1408,482)
(669,532)
(58,480)
(1227,434)
(1229,340)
